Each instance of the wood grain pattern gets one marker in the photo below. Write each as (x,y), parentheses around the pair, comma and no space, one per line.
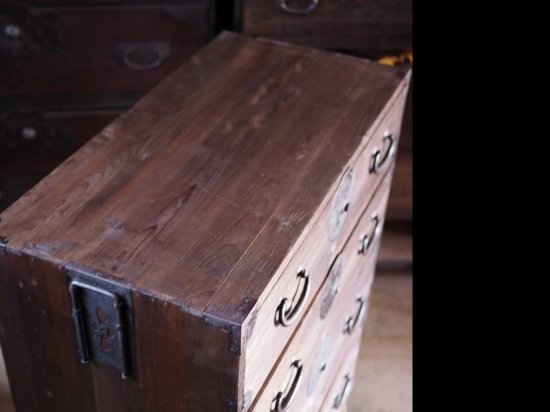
(204,190)
(256,276)
(205,167)
(36,327)
(45,372)
(353,26)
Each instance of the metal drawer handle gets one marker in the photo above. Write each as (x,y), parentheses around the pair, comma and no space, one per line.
(287,313)
(342,397)
(352,321)
(284,398)
(368,239)
(310,8)
(144,56)
(378,160)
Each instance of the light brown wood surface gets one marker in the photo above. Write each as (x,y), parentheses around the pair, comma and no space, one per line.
(355,281)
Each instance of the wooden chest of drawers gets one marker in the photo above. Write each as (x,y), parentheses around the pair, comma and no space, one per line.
(213,248)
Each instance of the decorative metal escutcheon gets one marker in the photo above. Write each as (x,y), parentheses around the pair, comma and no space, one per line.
(102,316)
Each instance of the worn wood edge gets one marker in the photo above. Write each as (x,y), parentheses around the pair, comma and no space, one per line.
(402,88)
(233,328)
(340,55)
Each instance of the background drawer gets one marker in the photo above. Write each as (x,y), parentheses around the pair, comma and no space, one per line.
(32,144)
(97,50)
(358,26)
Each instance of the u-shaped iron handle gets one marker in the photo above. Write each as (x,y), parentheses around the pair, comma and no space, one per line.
(341,398)
(368,239)
(353,320)
(379,159)
(284,398)
(288,312)
(310,8)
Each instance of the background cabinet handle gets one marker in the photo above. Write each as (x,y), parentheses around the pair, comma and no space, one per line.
(378,159)
(287,313)
(283,398)
(309,8)
(144,56)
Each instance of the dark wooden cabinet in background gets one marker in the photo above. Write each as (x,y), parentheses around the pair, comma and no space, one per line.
(366,27)
(99,50)
(69,67)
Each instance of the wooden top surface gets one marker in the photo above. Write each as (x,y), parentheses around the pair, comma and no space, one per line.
(235,149)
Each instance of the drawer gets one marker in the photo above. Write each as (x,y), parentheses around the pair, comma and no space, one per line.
(342,385)
(319,249)
(49,134)
(96,49)
(351,271)
(333,323)
(33,144)
(356,26)
(12,187)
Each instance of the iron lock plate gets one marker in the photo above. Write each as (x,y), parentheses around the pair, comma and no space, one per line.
(102,313)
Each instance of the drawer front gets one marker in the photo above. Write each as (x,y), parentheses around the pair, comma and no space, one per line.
(50,133)
(98,50)
(342,385)
(316,254)
(13,187)
(335,314)
(33,144)
(358,26)
(324,336)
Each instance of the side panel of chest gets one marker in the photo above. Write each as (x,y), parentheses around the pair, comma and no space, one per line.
(172,369)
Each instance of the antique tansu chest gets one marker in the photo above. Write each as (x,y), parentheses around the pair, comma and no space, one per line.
(213,248)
